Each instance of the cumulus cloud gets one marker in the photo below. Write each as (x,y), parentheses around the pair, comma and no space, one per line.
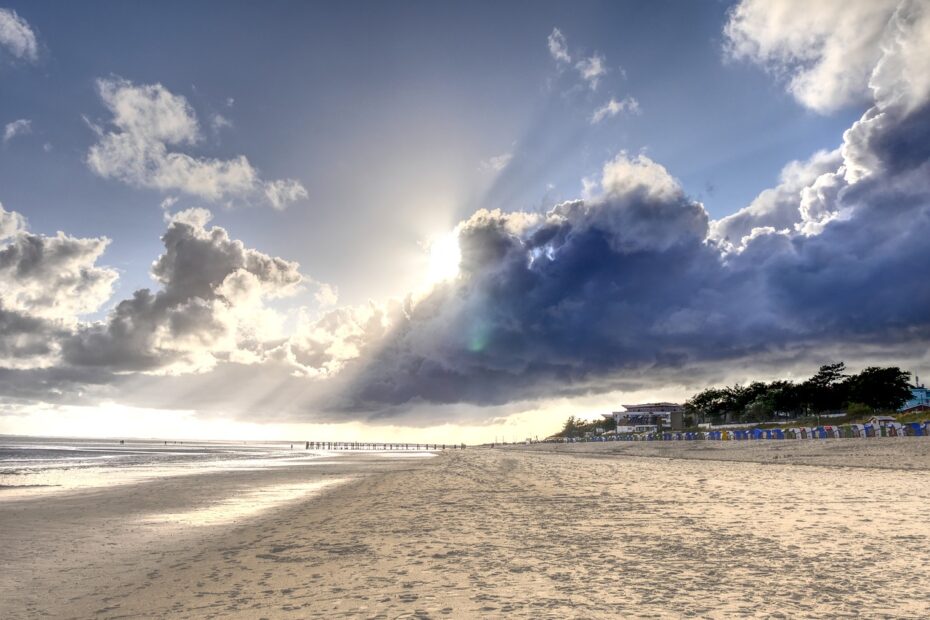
(326,295)
(46,283)
(828,52)
(558,47)
(148,125)
(15,128)
(634,281)
(51,277)
(11,223)
(613,108)
(17,37)
(322,347)
(211,306)
(780,208)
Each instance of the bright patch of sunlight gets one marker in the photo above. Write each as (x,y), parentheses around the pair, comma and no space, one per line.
(444,258)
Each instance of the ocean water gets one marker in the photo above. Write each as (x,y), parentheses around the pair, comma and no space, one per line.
(30,465)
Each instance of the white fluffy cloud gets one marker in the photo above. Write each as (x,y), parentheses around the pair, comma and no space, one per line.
(614,107)
(211,306)
(829,52)
(54,277)
(149,124)
(11,223)
(46,283)
(779,208)
(15,128)
(322,347)
(17,36)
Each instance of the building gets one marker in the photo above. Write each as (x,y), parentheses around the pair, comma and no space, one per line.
(919,400)
(648,417)
(881,420)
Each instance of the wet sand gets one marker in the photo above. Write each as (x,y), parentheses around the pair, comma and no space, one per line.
(539,532)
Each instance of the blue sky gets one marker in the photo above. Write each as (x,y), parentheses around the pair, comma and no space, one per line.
(452,218)
(385,113)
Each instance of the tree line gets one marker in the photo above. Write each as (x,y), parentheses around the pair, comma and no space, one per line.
(829,390)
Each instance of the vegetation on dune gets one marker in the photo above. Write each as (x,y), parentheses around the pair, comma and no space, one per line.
(830,390)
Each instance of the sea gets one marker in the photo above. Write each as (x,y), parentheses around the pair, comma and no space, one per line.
(36,465)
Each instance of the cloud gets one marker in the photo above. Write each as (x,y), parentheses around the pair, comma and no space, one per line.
(211,306)
(322,347)
(784,207)
(46,283)
(497,163)
(17,36)
(148,124)
(592,69)
(614,107)
(283,192)
(634,280)
(11,223)
(558,48)
(327,295)
(831,52)
(19,127)
(218,122)
(51,277)
(629,287)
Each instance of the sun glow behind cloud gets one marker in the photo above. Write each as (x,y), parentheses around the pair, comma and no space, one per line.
(444,258)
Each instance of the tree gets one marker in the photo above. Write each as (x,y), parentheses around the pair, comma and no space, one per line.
(825,391)
(759,410)
(879,388)
(786,397)
(570,429)
(709,403)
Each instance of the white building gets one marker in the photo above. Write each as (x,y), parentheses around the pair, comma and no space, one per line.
(647,417)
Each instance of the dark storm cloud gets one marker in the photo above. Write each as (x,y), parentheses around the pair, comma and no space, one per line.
(631,279)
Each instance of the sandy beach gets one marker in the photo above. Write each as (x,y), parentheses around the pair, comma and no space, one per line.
(818,529)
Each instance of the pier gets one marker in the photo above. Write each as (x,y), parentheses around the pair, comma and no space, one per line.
(380,447)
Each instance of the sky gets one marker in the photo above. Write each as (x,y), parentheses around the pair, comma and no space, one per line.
(437,221)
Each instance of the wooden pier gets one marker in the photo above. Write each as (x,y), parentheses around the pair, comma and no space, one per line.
(380,447)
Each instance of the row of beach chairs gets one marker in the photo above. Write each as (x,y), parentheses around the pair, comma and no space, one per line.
(849,431)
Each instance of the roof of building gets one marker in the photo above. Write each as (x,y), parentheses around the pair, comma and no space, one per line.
(651,405)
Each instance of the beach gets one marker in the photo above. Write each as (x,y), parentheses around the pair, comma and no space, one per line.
(818,529)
